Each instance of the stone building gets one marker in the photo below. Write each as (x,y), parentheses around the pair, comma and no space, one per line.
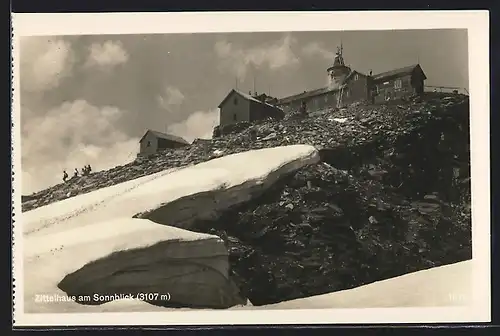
(398,83)
(238,106)
(346,86)
(154,141)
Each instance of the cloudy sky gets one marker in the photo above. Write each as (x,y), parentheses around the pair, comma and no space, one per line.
(88,99)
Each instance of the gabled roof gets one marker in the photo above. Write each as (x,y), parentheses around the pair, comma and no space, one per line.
(305,94)
(320,91)
(244,95)
(399,72)
(165,136)
(352,73)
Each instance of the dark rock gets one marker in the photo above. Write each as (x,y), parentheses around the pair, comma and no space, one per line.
(336,238)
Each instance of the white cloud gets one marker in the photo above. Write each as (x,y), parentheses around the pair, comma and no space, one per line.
(170,97)
(199,124)
(274,56)
(71,136)
(44,62)
(107,54)
(316,49)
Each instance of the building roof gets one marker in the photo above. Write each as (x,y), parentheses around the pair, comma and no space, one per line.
(320,91)
(352,73)
(246,96)
(165,136)
(398,72)
(305,94)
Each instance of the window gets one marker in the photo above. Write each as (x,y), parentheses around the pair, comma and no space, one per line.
(234,117)
(356,77)
(235,101)
(148,144)
(376,90)
(398,84)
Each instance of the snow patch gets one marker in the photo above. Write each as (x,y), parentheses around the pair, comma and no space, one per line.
(119,234)
(448,285)
(62,237)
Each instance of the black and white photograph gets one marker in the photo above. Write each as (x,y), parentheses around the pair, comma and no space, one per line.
(250,174)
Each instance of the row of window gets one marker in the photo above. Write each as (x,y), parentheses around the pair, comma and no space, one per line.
(398,84)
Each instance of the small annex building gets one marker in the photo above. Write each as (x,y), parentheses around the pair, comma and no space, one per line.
(238,107)
(153,142)
(398,83)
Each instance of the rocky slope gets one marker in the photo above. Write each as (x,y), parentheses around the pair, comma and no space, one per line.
(321,230)
(391,196)
(353,132)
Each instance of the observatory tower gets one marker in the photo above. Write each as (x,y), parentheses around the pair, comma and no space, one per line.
(338,71)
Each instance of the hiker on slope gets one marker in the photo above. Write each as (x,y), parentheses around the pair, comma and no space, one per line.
(65,176)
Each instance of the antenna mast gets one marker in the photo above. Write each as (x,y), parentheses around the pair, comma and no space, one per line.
(340,51)
(254,83)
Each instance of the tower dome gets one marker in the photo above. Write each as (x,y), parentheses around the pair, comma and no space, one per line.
(338,71)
